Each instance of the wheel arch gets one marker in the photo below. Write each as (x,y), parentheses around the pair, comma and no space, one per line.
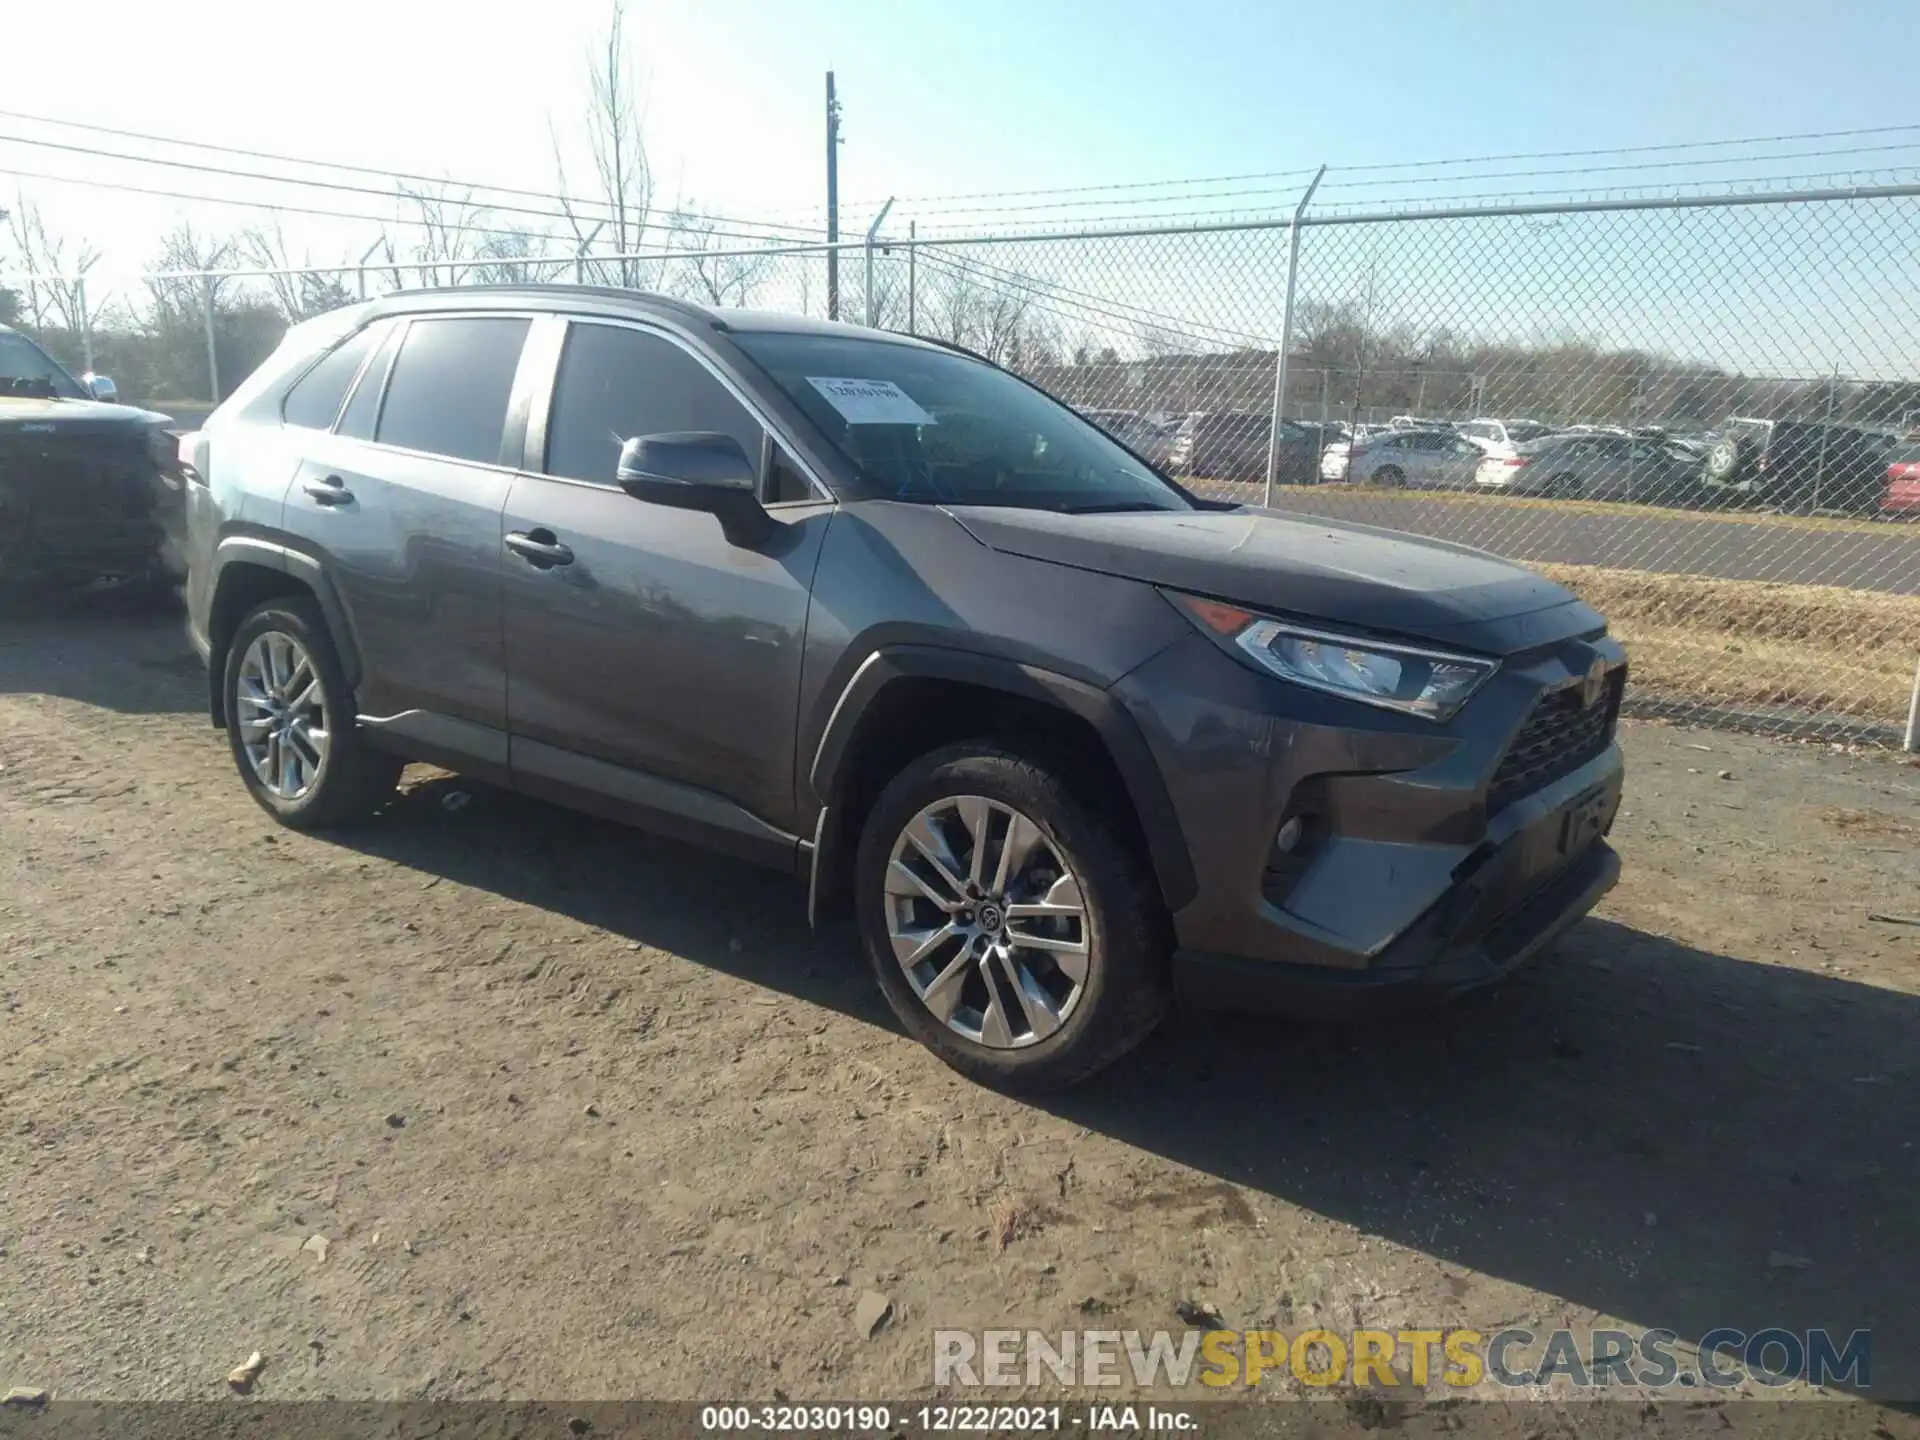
(249,571)
(881,721)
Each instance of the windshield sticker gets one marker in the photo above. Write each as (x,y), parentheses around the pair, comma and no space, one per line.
(870,402)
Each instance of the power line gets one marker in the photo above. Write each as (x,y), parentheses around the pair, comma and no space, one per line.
(1068,210)
(1249,215)
(445,227)
(1420,164)
(1141,315)
(395,175)
(1615,169)
(1026,285)
(1640,149)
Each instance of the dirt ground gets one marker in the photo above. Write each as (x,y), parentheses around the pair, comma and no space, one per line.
(582,1114)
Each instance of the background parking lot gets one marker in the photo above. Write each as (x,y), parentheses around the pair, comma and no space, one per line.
(580,1113)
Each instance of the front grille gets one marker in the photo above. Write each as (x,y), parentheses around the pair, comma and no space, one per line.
(79,475)
(1559,737)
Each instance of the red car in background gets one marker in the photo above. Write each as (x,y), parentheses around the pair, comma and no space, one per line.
(1903,481)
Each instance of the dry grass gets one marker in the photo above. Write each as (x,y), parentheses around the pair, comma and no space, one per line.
(1589,507)
(1869,822)
(1751,643)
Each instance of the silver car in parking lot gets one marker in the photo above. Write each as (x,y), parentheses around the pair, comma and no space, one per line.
(1597,466)
(1415,459)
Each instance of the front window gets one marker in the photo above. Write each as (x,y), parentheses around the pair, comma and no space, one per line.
(932,426)
(26,369)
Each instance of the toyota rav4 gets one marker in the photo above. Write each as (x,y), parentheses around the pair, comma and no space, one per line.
(1069,741)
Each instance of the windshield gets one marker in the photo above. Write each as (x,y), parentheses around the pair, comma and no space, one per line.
(940,428)
(26,369)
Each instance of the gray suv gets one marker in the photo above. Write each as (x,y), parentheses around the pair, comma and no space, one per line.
(1067,740)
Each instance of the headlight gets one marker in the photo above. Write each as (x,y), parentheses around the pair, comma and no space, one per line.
(1430,683)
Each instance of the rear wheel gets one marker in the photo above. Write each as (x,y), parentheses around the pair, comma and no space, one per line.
(1011,932)
(1392,476)
(1564,486)
(290,721)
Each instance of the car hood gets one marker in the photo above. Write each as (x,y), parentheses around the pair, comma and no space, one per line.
(67,417)
(1329,571)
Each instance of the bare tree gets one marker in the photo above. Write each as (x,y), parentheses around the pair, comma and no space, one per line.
(616,218)
(508,256)
(991,314)
(180,296)
(448,221)
(297,291)
(1158,342)
(709,268)
(56,292)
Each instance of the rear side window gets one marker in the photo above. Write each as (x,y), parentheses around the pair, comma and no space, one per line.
(315,399)
(363,406)
(450,385)
(616,383)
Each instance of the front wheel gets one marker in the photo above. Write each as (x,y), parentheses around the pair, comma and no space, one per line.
(291,723)
(1011,932)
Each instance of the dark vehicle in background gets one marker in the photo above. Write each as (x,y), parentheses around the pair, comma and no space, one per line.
(1799,466)
(89,488)
(1232,445)
(1066,739)
(1597,465)
(1151,442)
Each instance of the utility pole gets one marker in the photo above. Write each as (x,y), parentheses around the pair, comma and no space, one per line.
(833,202)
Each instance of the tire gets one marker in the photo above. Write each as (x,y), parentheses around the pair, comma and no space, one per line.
(1391,476)
(1564,487)
(1121,928)
(1730,460)
(332,779)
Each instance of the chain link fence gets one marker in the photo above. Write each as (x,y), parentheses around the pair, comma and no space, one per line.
(1694,412)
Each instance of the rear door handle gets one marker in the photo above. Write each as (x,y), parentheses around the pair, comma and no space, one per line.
(330,491)
(539,548)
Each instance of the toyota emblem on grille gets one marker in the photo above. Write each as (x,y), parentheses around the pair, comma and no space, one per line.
(1595,685)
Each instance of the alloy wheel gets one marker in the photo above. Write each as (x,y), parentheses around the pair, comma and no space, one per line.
(282,715)
(987,921)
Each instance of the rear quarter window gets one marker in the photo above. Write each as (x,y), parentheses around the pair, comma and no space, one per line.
(314,401)
(450,384)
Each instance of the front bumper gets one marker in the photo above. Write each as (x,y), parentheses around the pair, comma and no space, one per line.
(1439,858)
(1472,938)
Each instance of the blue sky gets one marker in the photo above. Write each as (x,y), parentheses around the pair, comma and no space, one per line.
(948,99)
(945,98)
(1030,93)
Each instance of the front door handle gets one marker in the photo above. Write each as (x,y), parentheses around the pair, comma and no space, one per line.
(539,548)
(330,491)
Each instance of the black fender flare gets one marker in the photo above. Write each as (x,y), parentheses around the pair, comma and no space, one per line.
(269,554)
(1159,821)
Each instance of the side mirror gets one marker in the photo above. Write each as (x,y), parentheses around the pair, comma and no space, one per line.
(101,387)
(698,470)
